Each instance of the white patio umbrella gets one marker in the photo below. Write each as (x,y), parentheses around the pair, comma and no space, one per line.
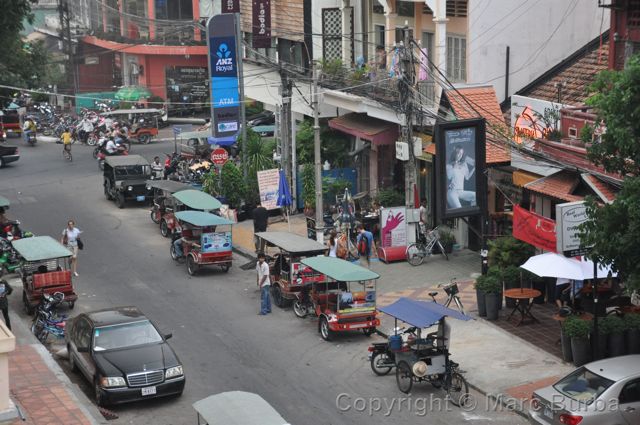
(587,268)
(551,264)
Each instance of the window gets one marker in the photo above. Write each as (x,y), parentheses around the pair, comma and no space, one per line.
(82,331)
(427,43)
(174,9)
(292,52)
(405,8)
(331,34)
(583,385)
(630,393)
(456,58)
(379,35)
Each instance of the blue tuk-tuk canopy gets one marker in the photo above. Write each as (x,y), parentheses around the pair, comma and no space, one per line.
(420,314)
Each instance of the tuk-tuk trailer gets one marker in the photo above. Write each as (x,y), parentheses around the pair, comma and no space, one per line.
(288,274)
(206,240)
(45,269)
(164,205)
(236,408)
(346,299)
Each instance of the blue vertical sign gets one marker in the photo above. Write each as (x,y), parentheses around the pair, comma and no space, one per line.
(223,72)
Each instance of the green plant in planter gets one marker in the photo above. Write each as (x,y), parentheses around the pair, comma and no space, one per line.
(489,284)
(511,276)
(614,327)
(447,238)
(574,327)
(232,184)
(508,251)
(611,325)
(390,198)
(631,321)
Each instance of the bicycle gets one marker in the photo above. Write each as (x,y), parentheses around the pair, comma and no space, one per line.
(417,251)
(66,153)
(452,290)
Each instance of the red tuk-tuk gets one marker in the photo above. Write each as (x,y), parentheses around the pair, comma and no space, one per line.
(288,274)
(45,269)
(185,200)
(141,123)
(345,300)
(164,205)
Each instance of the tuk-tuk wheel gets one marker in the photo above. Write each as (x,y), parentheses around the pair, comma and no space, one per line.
(226,267)
(325,331)
(144,139)
(164,228)
(404,377)
(192,267)
(276,294)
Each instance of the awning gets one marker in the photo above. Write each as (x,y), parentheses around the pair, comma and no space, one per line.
(560,186)
(376,131)
(520,178)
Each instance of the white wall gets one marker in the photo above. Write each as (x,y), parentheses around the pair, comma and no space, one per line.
(527,26)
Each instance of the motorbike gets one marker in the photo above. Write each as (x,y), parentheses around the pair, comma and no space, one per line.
(382,358)
(31,138)
(100,152)
(46,320)
(9,259)
(303,304)
(12,231)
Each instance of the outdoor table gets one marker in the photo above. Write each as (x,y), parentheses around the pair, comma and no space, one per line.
(522,297)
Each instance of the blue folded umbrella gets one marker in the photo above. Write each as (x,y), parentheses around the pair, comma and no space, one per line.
(284,193)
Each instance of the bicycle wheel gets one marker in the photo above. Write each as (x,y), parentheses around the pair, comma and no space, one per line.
(415,253)
(443,251)
(457,390)
(66,154)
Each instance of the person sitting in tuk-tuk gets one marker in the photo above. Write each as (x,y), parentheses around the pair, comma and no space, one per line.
(187,234)
(441,336)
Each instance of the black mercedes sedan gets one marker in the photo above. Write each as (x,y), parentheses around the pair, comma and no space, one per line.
(123,355)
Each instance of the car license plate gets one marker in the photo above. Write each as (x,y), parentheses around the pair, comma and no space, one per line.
(140,198)
(362,325)
(149,391)
(547,412)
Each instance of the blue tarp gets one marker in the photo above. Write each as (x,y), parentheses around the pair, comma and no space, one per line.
(420,314)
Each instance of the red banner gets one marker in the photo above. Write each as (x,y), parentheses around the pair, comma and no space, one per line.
(534,229)
(261,23)
(230,6)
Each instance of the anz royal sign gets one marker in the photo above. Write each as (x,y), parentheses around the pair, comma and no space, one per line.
(223,70)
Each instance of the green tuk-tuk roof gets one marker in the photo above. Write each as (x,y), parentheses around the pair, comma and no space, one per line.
(200,134)
(201,219)
(4,202)
(291,242)
(339,269)
(39,248)
(197,200)
(170,186)
(125,160)
(237,408)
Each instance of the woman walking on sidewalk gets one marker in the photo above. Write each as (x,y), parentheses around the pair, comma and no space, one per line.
(70,239)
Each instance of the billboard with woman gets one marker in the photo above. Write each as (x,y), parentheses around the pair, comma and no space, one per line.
(460,157)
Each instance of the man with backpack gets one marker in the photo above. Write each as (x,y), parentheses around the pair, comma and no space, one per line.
(364,242)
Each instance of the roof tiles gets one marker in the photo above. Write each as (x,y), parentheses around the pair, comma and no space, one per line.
(559,185)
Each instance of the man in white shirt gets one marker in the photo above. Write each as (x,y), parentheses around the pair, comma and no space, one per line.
(264,283)
(112,147)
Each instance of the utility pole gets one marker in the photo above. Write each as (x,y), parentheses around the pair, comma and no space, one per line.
(406,101)
(243,113)
(65,36)
(285,121)
(316,159)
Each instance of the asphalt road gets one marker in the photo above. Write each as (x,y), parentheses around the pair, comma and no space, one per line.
(217,334)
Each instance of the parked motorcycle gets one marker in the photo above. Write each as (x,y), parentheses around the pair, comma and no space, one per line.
(46,320)
(9,259)
(382,358)
(303,306)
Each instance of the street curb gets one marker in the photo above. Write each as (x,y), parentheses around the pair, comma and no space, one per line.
(242,252)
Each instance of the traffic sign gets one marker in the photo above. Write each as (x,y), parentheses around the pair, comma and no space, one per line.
(219,156)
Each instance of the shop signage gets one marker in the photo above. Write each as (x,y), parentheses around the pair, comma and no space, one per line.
(223,72)
(261,23)
(230,6)
(219,156)
(569,217)
(393,227)
(268,181)
(533,118)
(534,229)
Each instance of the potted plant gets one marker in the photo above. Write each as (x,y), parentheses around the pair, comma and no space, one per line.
(603,334)
(632,333)
(491,286)
(232,184)
(480,300)
(309,190)
(565,343)
(448,240)
(615,327)
(578,331)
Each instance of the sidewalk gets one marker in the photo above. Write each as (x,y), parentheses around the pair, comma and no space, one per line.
(498,364)
(39,387)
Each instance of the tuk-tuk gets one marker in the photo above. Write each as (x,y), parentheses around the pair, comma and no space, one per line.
(163,202)
(206,240)
(4,203)
(125,179)
(142,124)
(236,408)
(184,200)
(344,301)
(287,273)
(44,269)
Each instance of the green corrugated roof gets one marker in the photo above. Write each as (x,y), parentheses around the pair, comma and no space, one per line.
(40,248)
(339,269)
(4,202)
(201,219)
(291,242)
(197,200)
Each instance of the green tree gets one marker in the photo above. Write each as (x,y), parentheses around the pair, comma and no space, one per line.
(614,229)
(232,184)
(333,148)
(259,157)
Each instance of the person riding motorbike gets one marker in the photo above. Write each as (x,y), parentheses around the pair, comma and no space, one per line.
(113,148)
(29,127)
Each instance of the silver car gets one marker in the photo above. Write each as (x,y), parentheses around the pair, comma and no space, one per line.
(605,392)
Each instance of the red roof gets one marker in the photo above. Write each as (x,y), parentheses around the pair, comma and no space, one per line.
(559,185)
(376,131)
(604,191)
(466,101)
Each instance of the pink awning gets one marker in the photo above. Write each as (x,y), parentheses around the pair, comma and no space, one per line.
(376,131)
